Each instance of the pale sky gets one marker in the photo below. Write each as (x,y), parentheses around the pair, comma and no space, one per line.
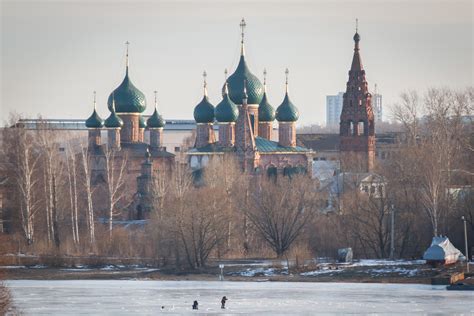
(54,54)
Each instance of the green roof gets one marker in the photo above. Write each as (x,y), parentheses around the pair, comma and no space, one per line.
(94,121)
(263,146)
(236,85)
(268,146)
(128,99)
(155,120)
(266,112)
(287,112)
(113,121)
(212,148)
(204,111)
(226,110)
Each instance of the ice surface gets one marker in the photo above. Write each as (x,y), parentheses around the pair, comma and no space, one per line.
(138,297)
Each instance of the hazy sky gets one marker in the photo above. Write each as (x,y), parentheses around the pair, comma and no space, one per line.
(55,53)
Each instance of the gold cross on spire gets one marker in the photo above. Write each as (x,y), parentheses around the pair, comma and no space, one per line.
(264,79)
(242,28)
(242,33)
(95,106)
(156,102)
(357,25)
(225,74)
(287,72)
(127,43)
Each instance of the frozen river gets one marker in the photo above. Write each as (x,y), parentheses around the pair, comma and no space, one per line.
(117,297)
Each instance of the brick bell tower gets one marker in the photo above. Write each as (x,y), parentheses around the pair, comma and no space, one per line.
(357,130)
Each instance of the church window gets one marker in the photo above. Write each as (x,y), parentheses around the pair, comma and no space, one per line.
(272,172)
(252,122)
(361,128)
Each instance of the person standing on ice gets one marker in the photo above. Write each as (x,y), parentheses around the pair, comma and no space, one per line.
(223,300)
(195,305)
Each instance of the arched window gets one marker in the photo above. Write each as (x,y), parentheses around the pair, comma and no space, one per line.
(272,171)
(351,128)
(287,171)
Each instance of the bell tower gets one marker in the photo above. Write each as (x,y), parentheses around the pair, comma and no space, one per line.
(357,130)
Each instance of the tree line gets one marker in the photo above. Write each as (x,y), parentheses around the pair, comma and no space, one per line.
(425,186)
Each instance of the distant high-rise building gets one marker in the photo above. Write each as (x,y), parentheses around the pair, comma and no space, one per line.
(334,108)
(377,105)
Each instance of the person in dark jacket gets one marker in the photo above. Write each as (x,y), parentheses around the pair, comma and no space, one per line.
(195,305)
(223,300)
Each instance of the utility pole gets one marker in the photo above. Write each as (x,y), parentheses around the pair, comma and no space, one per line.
(465,243)
(392,232)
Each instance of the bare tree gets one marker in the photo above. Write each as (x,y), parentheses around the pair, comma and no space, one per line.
(440,141)
(203,225)
(23,158)
(86,182)
(281,209)
(71,166)
(115,172)
(366,218)
(407,113)
(51,173)
(224,175)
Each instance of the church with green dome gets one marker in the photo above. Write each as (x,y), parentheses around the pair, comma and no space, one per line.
(245,122)
(121,137)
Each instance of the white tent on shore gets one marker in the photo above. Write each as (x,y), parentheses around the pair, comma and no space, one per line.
(442,251)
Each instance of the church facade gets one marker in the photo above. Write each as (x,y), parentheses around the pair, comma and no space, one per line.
(126,144)
(245,121)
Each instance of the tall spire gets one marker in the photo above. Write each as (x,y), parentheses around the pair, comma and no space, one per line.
(357,36)
(287,72)
(156,102)
(127,43)
(356,60)
(264,80)
(95,103)
(204,76)
(242,33)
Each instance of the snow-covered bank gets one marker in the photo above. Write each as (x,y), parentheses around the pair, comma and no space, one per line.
(95,297)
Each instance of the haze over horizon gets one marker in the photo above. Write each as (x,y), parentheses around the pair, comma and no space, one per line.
(55,54)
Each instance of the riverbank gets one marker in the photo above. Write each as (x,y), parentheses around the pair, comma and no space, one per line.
(363,271)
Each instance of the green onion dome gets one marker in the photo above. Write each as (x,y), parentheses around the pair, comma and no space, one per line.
(226,111)
(204,111)
(155,120)
(94,121)
(113,121)
(266,112)
(236,84)
(128,99)
(287,112)
(141,122)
